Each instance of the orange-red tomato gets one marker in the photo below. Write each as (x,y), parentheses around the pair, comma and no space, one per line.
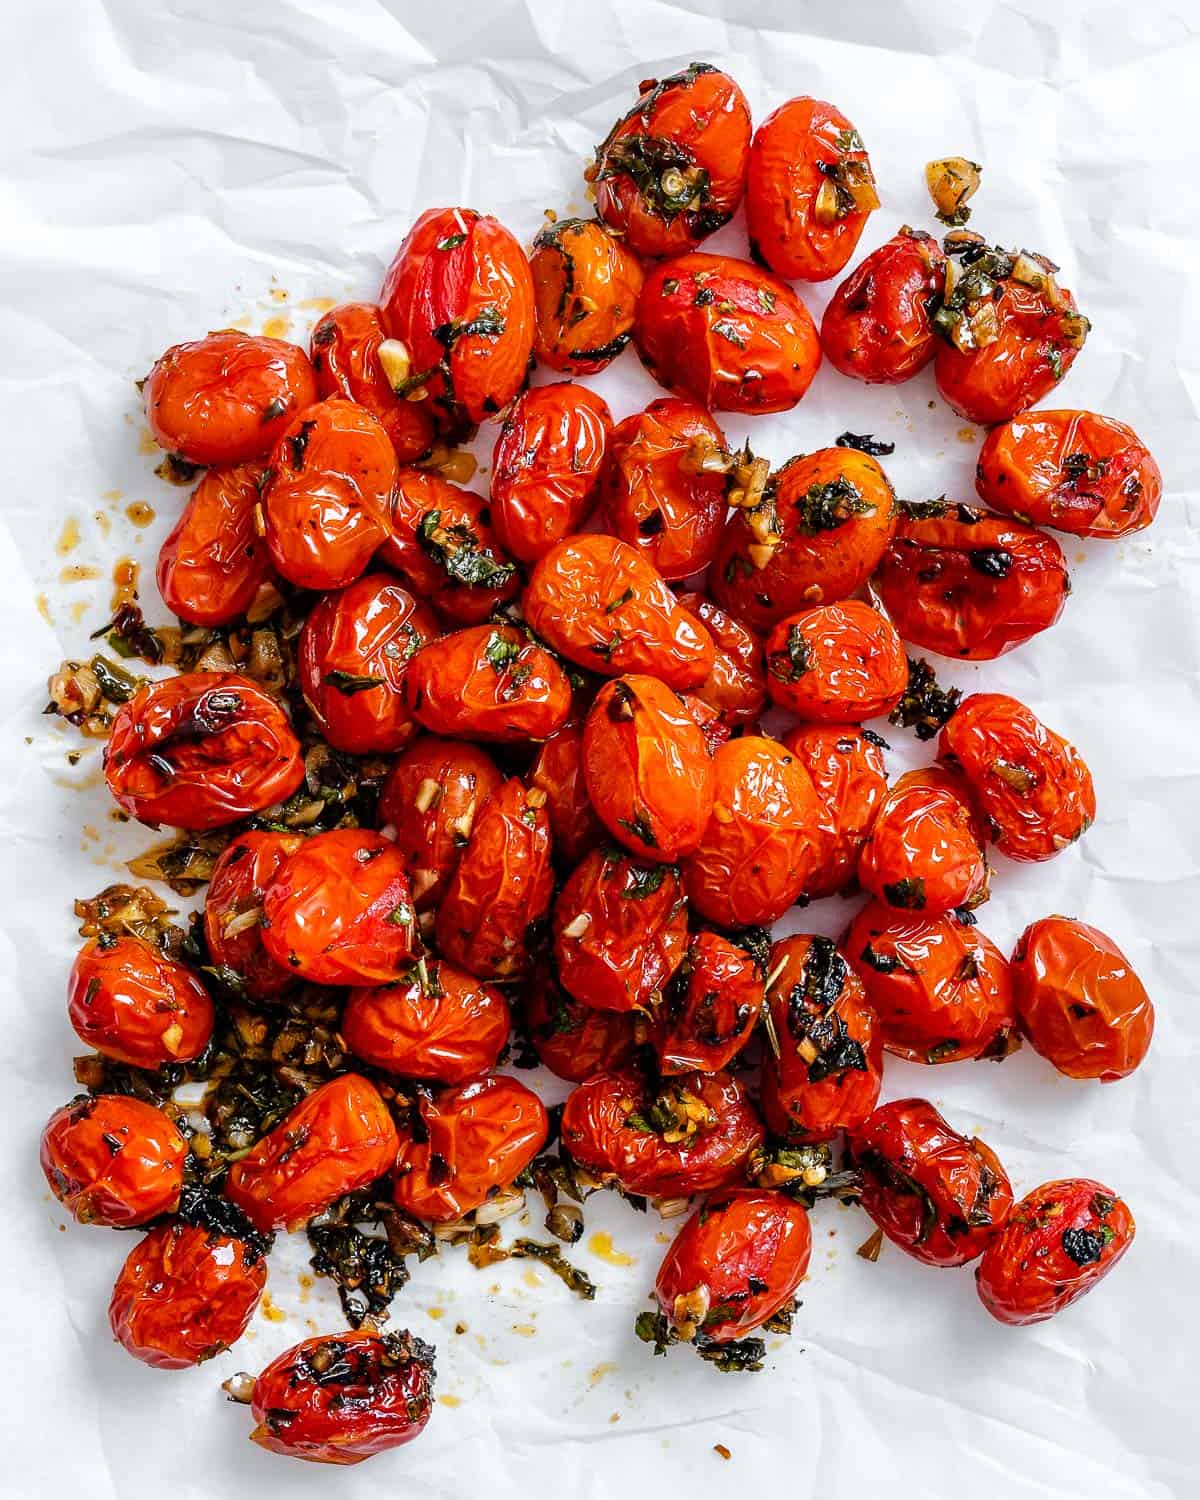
(233,911)
(585,291)
(925,849)
(184,1295)
(490,682)
(558,772)
(133,1003)
(845,765)
(940,1196)
(878,326)
(712,727)
(673,169)
(199,750)
(1079,1001)
(809,190)
(1032,787)
(736,688)
(575,1040)
(226,398)
(113,1160)
(710,1008)
(213,564)
(836,663)
(338,1139)
(1073,471)
(724,333)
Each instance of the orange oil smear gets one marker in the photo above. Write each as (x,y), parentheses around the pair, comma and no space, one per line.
(125,582)
(78,610)
(966,434)
(600,1371)
(317,304)
(279,294)
(601,1246)
(270,1310)
(68,537)
(103,523)
(450,1400)
(277,328)
(43,608)
(146,443)
(78,573)
(139,513)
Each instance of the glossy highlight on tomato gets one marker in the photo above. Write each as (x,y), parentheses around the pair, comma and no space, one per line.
(134,1004)
(736,688)
(585,290)
(558,773)
(837,663)
(710,1009)
(878,326)
(489,682)
(214,562)
(925,850)
(113,1160)
(233,911)
(845,765)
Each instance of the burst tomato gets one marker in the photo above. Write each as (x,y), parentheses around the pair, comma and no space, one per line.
(710,1008)
(490,682)
(233,911)
(845,765)
(736,688)
(345,354)
(133,1003)
(585,291)
(575,1040)
(836,663)
(558,773)
(213,564)
(113,1160)
(878,326)
(925,849)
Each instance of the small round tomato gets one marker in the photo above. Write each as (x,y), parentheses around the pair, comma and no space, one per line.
(761,845)
(599,603)
(878,326)
(809,190)
(338,1139)
(734,1264)
(345,354)
(712,727)
(940,1196)
(184,1295)
(133,1003)
(338,1400)
(226,398)
(199,750)
(941,990)
(558,773)
(213,564)
(673,169)
(490,682)
(1073,471)
(826,1074)
(1078,1000)
(691,1134)
(710,1008)
(845,765)
(338,909)
(585,291)
(925,849)
(724,333)
(575,1040)
(113,1160)
(836,663)
(459,296)
(1032,787)
(736,688)
(471,1142)
(233,911)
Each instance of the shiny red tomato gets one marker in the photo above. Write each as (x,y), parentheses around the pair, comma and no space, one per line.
(133,1003)
(878,326)
(836,663)
(558,773)
(214,562)
(233,911)
(736,688)
(575,1040)
(710,1009)
(845,765)
(585,291)
(925,849)
(113,1160)
(490,682)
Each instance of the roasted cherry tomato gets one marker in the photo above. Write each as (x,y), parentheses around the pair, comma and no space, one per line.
(472,1141)
(226,398)
(1078,1000)
(809,190)
(345,349)
(133,1003)
(338,1400)
(712,727)
(575,1040)
(338,909)
(1031,786)
(1073,471)
(736,688)
(338,1139)
(939,1195)
(600,603)
(836,663)
(1059,1241)
(459,296)
(673,169)
(233,911)
(113,1160)
(826,1073)
(490,682)
(185,1294)
(199,750)
(724,333)
(558,773)
(213,564)
(845,765)
(941,990)
(878,326)
(710,1008)
(691,1134)
(925,849)
(761,844)
(585,291)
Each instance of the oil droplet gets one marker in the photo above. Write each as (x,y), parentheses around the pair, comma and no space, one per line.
(78,573)
(125,582)
(306,1286)
(277,327)
(436,1312)
(597,1375)
(526,1330)
(531,1278)
(68,537)
(449,1400)
(104,523)
(601,1246)
(146,443)
(270,1311)
(78,610)
(278,294)
(43,608)
(317,304)
(139,512)
(241,324)
(966,434)
(112,496)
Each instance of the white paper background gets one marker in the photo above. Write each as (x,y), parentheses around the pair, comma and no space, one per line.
(172,165)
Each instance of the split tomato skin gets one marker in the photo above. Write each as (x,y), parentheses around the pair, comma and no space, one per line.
(134,1004)
(736,688)
(878,325)
(213,563)
(837,663)
(572,1039)
(710,1009)
(113,1160)
(233,911)
(558,772)
(585,290)
(925,850)
(488,682)
(845,765)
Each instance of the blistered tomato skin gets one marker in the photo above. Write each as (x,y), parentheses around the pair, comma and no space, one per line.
(558,772)
(233,911)
(710,1009)
(575,1040)
(724,333)
(1074,471)
(1032,787)
(489,682)
(736,688)
(878,325)
(185,1295)
(133,1003)
(213,564)
(925,850)
(199,750)
(113,1160)
(226,398)
(338,1139)
(585,290)
(1079,1001)
(845,765)
(837,663)
(938,1195)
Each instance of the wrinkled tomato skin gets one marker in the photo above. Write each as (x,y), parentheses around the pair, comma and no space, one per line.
(132,1003)
(213,564)
(837,663)
(942,991)
(455,269)
(696,121)
(239,882)
(1059,1241)
(1033,788)
(585,290)
(199,750)
(575,1040)
(736,688)
(473,1140)
(546,466)
(558,772)
(1079,1001)
(113,1160)
(925,850)
(600,604)
(1074,471)
(711,1009)
(184,1295)
(726,334)
(877,326)
(847,772)
(338,1139)
(455,687)
(938,1195)
(760,847)
(746,1252)
(226,398)
(338,910)
(817,1003)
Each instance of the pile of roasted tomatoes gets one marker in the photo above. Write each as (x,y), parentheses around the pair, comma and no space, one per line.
(474,778)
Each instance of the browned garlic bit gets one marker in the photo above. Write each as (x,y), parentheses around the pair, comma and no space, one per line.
(951,182)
